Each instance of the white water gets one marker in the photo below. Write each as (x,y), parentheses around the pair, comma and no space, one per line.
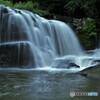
(49,40)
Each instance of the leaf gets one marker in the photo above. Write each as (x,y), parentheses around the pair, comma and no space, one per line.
(92,34)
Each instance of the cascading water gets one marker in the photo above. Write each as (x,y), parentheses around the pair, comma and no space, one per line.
(48,40)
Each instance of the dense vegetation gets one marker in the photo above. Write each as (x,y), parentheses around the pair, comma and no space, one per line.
(85,15)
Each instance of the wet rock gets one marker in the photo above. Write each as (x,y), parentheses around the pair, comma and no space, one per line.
(68,62)
(92,72)
(5,10)
(16,54)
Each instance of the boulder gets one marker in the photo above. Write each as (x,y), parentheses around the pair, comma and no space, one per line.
(66,62)
(16,54)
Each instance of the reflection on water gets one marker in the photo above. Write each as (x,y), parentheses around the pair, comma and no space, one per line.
(43,85)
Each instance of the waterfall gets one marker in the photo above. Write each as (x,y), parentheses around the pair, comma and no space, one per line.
(46,39)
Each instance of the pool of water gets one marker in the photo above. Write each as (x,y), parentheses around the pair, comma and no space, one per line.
(46,85)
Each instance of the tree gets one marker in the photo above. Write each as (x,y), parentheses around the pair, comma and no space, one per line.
(87,7)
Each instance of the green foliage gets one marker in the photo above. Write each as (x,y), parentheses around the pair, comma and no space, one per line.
(6,2)
(86,29)
(26,5)
(29,5)
(89,26)
(52,6)
(72,5)
(88,6)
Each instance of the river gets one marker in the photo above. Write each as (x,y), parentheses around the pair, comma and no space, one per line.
(46,85)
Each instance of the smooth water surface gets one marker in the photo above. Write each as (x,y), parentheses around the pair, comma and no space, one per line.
(46,85)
